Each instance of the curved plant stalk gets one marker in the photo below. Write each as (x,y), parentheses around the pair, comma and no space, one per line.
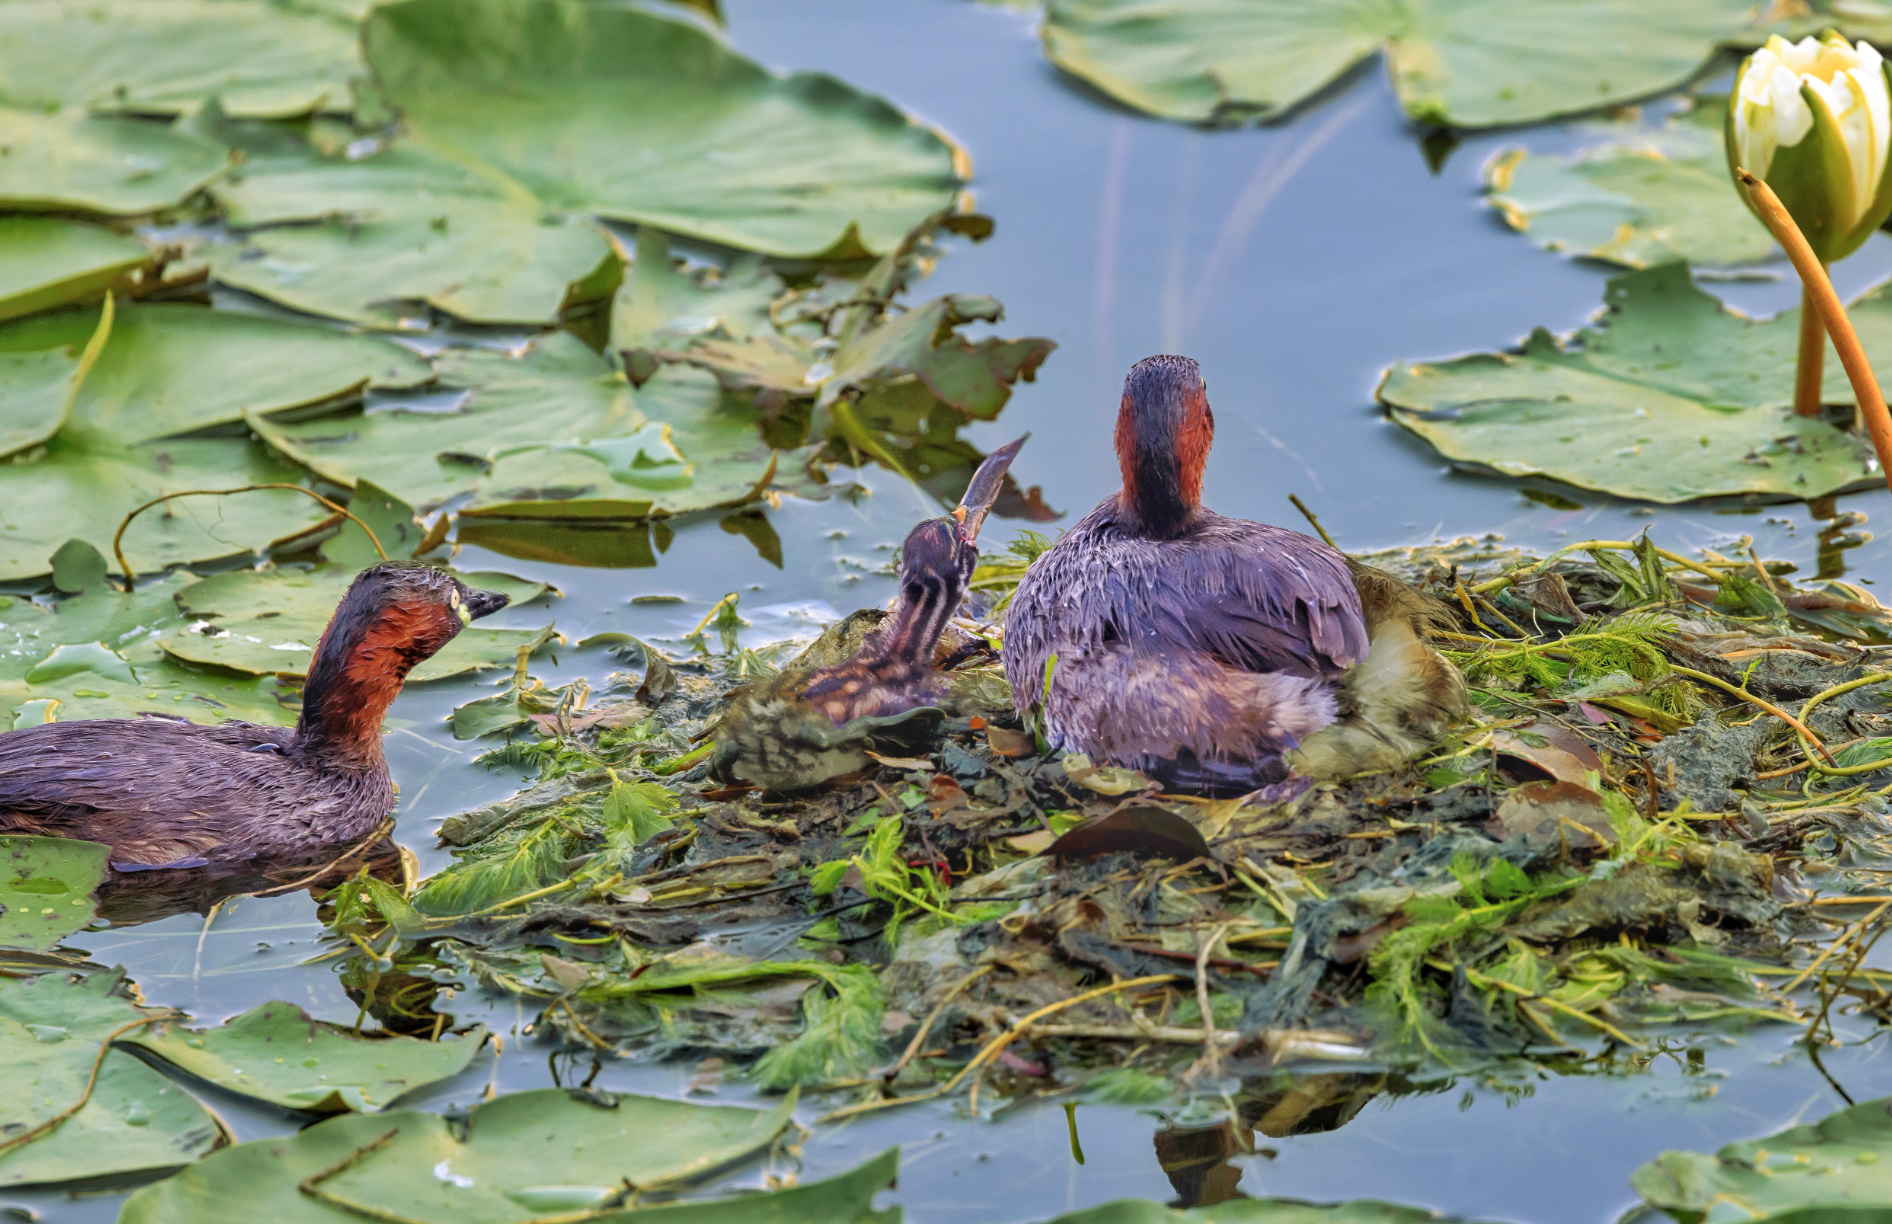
(118,537)
(1820,294)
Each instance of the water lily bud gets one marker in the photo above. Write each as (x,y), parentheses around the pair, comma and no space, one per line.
(1814,119)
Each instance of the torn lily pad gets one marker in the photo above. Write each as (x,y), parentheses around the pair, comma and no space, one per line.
(661,305)
(167,57)
(267,622)
(1464,63)
(633,116)
(136,1121)
(1645,196)
(1668,398)
(46,887)
(275,1052)
(519,1156)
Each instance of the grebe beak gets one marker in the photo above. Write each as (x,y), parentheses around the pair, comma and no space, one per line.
(484,603)
(984,490)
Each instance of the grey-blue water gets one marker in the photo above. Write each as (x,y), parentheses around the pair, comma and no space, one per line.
(1295,262)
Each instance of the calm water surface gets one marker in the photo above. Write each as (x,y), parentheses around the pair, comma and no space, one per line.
(1295,263)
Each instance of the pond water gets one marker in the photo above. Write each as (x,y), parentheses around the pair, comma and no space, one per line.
(1295,262)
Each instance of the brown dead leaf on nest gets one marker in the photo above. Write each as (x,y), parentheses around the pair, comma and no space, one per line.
(1543,813)
(1137,828)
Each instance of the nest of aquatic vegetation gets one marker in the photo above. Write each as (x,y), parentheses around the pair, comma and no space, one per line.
(1669,761)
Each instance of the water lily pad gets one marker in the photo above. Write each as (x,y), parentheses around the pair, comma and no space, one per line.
(661,305)
(47,262)
(136,1121)
(151,380)
(1645,196)
(1838,1168)
(72,661)
(164,57)
(1467,63)
(1254,1211)
(84,488)
(1667,398)
(555,433)
(519,1156)
(626,114)
(276,1053)
(46,886)
(363,235)
(72,161)
(268,622)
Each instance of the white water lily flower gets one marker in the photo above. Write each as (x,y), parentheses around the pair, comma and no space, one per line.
(1814,119)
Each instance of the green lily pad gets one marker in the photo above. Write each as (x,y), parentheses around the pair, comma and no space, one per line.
(1646,196)
(72,661)
(46,887)
(164,57)
(151,380)
(1668,398)
(626,114)
(555,433)
(519,1156)
(85,487)
(38,385)
(1466,63)
(136,1121)
(268,622)
(661,305)
(276,1053)
(401,225)
(1838,1168)
(72,161)
(47,262)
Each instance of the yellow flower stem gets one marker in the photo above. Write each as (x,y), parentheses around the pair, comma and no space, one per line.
(1810,369)
(1820,292)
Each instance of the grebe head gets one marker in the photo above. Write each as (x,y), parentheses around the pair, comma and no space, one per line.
(938,557)
(394,616)
(1164,431)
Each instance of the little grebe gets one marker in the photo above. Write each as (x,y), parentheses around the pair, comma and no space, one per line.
(1213,653)
(780,735)
(168,793)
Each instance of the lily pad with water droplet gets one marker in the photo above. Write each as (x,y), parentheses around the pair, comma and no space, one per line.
(276,1053)
(46,887)
(504,1163)
(136,1121)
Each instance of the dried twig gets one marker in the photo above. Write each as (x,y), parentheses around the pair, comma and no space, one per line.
(118,537)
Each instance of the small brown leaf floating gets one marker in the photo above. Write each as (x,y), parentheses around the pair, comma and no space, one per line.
(1137,828)
(1008,743)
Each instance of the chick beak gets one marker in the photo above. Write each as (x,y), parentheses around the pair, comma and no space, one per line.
(484,603)
(984,490)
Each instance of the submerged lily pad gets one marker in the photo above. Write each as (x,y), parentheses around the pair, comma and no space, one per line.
(46,887)
(626,114)
(276,1053)
(268,622)
(1467,63)
(135,1121)
(1647,195)
(1838,1168)
(362,237)
(166,57)
(47,262)
(1668,398)
(72,161)
(522,1155)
